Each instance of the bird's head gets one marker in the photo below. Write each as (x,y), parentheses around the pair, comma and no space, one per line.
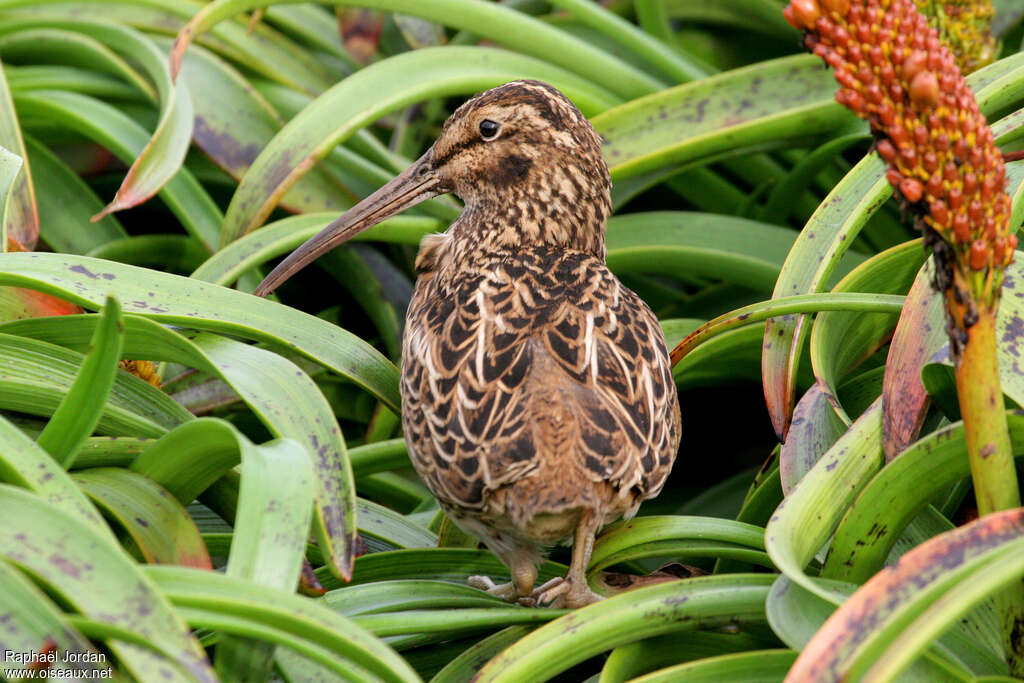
(524,160)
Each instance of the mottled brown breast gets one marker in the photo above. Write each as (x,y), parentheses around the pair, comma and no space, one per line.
(532,356)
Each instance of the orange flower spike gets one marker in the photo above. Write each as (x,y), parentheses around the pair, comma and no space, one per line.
(896,73)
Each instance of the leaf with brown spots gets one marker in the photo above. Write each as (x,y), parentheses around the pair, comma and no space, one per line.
(889,622)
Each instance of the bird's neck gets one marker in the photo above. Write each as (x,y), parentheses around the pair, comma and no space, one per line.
(514,223)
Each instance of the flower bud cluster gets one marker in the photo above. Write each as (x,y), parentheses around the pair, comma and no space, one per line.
(965,27)
(894,71)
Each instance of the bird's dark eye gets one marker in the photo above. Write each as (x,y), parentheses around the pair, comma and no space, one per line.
(489,129)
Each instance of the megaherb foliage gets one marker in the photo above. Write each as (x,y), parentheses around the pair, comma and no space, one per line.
(743,193)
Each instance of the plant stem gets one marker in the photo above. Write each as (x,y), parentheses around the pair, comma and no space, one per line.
(981,405)
(991,458)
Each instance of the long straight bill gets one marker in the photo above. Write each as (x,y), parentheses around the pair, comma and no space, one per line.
(415,184)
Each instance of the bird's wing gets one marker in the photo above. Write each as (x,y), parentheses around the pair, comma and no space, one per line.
(536,357)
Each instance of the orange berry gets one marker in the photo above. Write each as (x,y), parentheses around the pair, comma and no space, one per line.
(912,189)
(803,13)
(961,228)
(914,64)
(924,90)
(979,254)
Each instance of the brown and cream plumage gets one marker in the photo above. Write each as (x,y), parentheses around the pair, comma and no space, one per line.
(537,399)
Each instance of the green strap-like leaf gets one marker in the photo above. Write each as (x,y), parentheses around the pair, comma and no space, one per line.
(81,408)
(745,667)
(184,301)
(32,620)
(266,382)
(23,463)
(673,606)
(305,619)
(890,621)
(500,24)
(92,574)
(104,124)
(20,218)
(841,341)
(807,517)
(67,205)
(156,522)
(893,497)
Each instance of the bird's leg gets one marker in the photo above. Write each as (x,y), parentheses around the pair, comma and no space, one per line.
(524,574)
(573,591)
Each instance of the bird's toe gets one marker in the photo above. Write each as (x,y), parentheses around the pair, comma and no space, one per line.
(505,591)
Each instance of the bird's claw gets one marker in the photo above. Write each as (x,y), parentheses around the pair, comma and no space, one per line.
(564,592)
(505,591)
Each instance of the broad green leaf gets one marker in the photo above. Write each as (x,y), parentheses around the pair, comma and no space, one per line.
(406,594)
(280,237)
(82,406)
(897,494)
(370,93)
(23,463)
(500,24)
(747,667)
(27,40)
(163,155)
(185,301)
(768,105)
(36,376)
(779,206)
(387,526)
(156,522)
(20,217)
(668,61)
(761,16)
(890,620)
(31,621)
(650,654)
(234,147)
(783,306)
(841,341)
(265,381)
(275,507)
(337,641)
(678,537)
(67,205)
(807,517)
(126,139)
(263,50)
(674,606)
(89,572)
(816,427)
(449,564)
(381,456)
(919,334)
(467,664)
(796,615)
(172,253)
(10,166)
(452,622)
(57,77)
(707,245)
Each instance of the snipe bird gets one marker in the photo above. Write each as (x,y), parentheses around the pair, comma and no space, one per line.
(537,399)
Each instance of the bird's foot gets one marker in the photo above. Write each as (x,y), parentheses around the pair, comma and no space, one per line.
(564,592)
(505,591)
